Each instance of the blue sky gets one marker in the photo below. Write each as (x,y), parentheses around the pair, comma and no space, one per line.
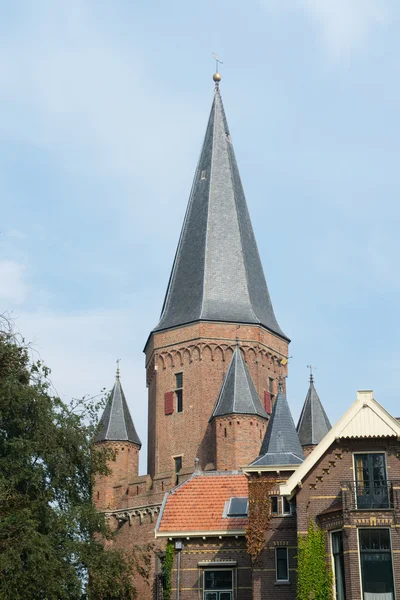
(104,107)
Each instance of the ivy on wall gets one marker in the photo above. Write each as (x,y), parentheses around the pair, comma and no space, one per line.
(314,575)
(167,570)
(259,514)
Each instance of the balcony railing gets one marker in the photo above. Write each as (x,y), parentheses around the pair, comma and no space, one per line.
(370,495)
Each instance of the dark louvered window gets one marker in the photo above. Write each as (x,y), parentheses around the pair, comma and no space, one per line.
(178,463)
(179,392)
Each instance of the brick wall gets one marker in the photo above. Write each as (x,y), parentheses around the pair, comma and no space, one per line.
(201,352)
(238,439)
(108,489)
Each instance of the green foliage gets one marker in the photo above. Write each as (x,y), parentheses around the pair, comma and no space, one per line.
(167,570)
(51,535)
(314,576)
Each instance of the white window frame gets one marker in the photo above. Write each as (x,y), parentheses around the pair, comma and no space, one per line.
(280,502)
(276,564)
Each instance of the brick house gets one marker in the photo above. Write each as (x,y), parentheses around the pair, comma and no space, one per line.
(219,422)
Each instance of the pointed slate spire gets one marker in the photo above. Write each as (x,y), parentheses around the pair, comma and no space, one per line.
(217,273)
(313,424)
(116,423)
(238,394)
(281,445)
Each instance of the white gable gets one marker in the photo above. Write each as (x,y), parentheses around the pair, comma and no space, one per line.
(368,423)
(366,418)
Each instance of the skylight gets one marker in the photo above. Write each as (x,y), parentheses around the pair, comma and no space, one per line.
(238,507)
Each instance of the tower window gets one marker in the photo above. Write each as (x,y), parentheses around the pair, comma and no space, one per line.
(178,463)
(179,391)
(203,175)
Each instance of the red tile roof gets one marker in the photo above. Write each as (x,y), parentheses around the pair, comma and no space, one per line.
(198,504)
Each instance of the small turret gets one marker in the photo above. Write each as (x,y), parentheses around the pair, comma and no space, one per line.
(118,432)
(238,417)
(313,424)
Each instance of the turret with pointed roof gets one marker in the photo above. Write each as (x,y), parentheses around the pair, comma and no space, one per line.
(238,394)
(281,446)
(116,422)
(238,419)
(118,431)
(217,274)
(313,424)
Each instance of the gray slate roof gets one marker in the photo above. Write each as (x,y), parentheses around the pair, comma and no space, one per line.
(238,394)
(116,422)
(281,445)
(217,273)
(313,424)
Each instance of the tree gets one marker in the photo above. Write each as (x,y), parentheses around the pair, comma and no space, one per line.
(54,544)
(314,577)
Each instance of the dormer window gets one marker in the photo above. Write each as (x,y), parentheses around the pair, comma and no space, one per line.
(238,507)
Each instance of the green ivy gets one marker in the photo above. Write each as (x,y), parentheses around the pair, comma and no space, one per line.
(314,575)
(167,570)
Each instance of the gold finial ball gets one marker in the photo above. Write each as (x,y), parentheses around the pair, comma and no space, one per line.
(217,77)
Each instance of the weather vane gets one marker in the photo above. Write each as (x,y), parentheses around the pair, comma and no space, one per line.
(217,61)
(311,370)
(118,361)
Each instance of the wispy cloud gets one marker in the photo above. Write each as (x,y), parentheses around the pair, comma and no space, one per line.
(343,26)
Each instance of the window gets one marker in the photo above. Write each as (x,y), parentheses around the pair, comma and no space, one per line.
(376,563)
(281,564)
(280,505)
(178,463)
(338,564)
(371,481)
(179,391)
(285,506)
(271,385)
(218,585)
(238,507)
(179,380)
(274,505)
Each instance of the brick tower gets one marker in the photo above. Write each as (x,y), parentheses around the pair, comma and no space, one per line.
(118,432)
(212,362)
(239,419)
(217,296)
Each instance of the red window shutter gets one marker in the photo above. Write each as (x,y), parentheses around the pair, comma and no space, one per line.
(168,403)
(267,402)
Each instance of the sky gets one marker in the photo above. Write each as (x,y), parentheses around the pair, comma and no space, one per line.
(104,107)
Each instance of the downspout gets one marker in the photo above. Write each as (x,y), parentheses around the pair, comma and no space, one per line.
(178,583)
(178,547)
